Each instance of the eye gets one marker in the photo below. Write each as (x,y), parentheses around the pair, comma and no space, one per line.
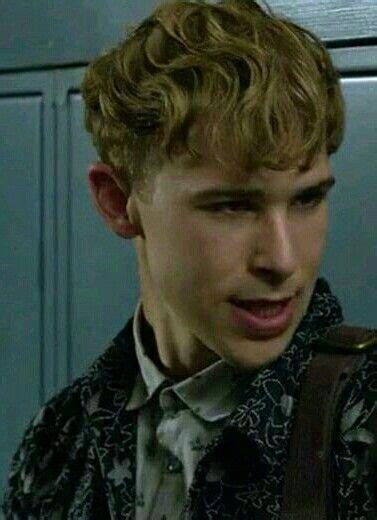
(311,200)
(232,207)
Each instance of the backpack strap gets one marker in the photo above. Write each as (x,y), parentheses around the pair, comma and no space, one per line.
(307,490)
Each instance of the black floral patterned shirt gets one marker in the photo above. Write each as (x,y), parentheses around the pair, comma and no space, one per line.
(77,459)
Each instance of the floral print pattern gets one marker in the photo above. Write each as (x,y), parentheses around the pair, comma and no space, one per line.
(77,459)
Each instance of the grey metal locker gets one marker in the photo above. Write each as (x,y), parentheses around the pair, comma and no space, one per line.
(27,242)
(54,33)
(97,270)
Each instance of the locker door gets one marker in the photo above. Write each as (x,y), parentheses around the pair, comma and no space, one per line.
(350,262)
(26,230)
(98,284)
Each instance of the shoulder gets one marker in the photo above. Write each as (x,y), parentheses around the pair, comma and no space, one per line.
(53,437)
(360,396)
(360,391)
(53,451)
(356,440)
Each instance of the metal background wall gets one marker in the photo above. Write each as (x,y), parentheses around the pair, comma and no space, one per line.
(51,32)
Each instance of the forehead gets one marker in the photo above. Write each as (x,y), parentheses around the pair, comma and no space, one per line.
(186,175)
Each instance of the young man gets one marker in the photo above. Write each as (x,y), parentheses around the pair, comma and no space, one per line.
(214,125)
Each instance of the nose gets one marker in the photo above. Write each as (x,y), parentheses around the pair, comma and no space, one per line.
(274,248)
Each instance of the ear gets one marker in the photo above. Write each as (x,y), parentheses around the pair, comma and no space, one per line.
(112,200)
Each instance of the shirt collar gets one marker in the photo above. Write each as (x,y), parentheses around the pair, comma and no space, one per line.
(150,378)
(212,394)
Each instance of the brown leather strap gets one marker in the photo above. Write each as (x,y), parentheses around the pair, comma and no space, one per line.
(306,492)
(348,338)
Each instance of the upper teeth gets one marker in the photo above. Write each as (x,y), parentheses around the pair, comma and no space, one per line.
(264,309)
(249,303)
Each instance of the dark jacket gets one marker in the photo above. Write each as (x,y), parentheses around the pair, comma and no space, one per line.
(77,459)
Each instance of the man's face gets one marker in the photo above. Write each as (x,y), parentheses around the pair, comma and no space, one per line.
(200,252)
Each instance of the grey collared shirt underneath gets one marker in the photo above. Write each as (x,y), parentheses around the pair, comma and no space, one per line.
(176,422)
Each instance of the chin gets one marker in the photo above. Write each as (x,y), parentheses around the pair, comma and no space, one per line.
(256,354)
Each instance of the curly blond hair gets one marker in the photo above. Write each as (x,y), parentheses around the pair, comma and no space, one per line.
(264,87)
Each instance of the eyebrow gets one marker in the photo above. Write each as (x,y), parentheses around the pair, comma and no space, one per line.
(214,193)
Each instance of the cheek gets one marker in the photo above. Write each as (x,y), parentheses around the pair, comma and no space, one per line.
(311,238)
(189,256)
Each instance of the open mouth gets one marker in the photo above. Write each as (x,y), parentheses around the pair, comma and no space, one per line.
(262,315)
(262,308)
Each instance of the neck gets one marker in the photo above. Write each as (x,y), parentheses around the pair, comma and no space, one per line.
(177,354)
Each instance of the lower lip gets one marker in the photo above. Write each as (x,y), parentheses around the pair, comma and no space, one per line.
(269,326)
